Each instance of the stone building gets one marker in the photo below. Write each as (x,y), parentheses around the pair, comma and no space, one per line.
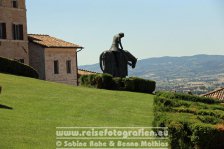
(54,59)
(217,94)
(82,72)
(13,30)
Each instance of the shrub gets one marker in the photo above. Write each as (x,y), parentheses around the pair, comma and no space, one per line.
(17,68)
(83,80)
(209,119)
(191,124)
(206,136)
(178,137)
(106,81)
(135,84)
(101,81)
(118,83)
(187,97)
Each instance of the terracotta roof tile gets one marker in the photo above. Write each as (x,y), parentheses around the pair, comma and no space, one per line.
(218,94)
(50,42)
(85,72)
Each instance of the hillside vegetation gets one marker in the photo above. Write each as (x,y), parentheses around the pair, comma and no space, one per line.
(193,122)
(32,109)
(174,67)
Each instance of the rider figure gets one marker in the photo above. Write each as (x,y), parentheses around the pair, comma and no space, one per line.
(115,60)
(117,42)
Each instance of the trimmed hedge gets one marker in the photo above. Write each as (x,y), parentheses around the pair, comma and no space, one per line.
(135,84)
(101,81)
(192,124)
(17,68)
(106,81)
(187,97)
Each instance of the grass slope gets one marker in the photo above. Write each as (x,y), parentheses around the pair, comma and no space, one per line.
(39,107)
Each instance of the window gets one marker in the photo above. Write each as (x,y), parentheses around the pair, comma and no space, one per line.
(14,3)
(68,66)
(2,31)
(56,67)
(17,31)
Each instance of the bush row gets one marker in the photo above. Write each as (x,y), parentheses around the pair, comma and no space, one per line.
(17,68)
(101,81)
(185,135)
(187,97)
(194,111)
(190,126)
(195,108)
(106,81)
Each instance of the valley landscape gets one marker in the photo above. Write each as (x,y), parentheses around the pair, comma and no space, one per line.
(197,74)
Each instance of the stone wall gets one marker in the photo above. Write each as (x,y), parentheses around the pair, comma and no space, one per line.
(36,59)
(62,55)
(14,50)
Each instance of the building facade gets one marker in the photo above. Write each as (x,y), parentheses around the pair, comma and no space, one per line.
(13,30)
(54,59)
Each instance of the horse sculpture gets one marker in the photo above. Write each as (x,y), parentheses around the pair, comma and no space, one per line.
(116,60)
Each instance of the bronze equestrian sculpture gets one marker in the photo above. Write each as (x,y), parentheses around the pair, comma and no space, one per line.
(116,60)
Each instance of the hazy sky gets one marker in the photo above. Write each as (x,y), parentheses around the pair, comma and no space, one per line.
(153,28)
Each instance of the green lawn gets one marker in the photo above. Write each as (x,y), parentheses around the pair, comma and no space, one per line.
(39,107)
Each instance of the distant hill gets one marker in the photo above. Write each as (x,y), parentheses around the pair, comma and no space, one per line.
(164,68)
